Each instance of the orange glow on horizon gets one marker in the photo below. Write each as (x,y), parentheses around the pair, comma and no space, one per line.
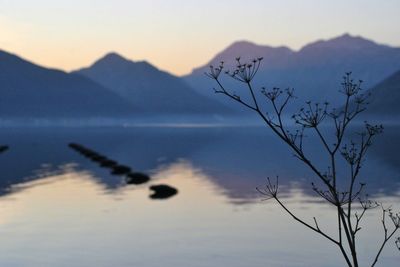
(178,36)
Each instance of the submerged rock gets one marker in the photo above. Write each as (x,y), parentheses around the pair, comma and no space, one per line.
(108,163)
(88,153)
(136,178)
(4,148)
(98,158)
(77,147)
(162,191)
(74,145)
(120,169)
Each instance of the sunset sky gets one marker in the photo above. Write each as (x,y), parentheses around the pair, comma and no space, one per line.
(178,35)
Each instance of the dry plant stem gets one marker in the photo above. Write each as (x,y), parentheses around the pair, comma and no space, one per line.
(310,118)
(318,230)
(397,242)
(386,238)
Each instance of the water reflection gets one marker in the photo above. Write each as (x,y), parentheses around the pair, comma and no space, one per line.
(235,159)
(72,217)
(61,209)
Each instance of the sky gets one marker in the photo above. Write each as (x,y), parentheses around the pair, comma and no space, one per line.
(179,35)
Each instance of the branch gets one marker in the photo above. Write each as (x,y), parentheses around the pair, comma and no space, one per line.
(311,117)
(387,236)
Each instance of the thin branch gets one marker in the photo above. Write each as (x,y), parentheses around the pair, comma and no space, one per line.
(387,236)
(311,117)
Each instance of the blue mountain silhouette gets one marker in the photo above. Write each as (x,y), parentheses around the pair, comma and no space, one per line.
(148,88)
(315,71)
(30,91)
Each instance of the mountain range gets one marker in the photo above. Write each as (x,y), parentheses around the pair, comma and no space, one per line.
(315,71)
(147,88)
(31,91)
(113,87)
(116,87)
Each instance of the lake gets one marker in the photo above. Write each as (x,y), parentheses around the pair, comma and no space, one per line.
(57,208)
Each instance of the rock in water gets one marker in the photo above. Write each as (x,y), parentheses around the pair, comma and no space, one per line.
(3,148)
(137,178)
(162,191)
(108,163)
(98,158)
(120,169)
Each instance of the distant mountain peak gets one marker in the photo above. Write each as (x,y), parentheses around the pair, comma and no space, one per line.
(242,44)
(147,88)
(112,58)
(114,55)
(344,41)
(347,38)
(31,91)
(115,60)
(247,46)
(246,50)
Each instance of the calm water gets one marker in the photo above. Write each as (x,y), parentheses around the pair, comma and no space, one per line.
(57,208)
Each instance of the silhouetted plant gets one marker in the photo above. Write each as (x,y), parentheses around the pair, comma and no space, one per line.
(310,118)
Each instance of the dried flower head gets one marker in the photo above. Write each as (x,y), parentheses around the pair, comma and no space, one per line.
(245,72)
(215,71)
(271,189)
(349,87)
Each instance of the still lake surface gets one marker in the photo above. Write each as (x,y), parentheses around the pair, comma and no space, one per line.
(58,208)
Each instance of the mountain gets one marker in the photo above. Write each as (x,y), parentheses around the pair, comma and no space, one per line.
(315,71)
(147,88)
(30,91)
(385,97)
(279,56)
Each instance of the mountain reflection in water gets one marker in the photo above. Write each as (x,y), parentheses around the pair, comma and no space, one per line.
(235,159)
(60,209)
